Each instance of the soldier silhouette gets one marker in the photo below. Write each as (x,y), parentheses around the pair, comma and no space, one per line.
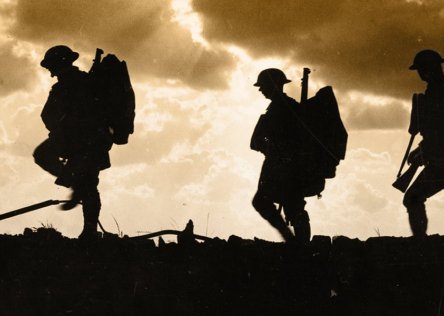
(79,139)
(427,118)
(290,159)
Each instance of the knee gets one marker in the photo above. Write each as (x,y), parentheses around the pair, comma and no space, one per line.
(38,154)
(299,218)
(263,206)
(257,202)
(412,200)
(44,154)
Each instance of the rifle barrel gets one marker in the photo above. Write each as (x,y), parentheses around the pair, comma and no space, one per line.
(28,209)
(406,155)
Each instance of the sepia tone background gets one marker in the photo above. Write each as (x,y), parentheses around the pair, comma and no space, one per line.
(193,64)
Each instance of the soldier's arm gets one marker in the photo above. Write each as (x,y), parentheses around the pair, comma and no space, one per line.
(415,157)
(51,114)
(261,139)
(258,138)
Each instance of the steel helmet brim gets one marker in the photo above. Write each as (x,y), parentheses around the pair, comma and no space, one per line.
(258,84)
(416,67)
(46,63)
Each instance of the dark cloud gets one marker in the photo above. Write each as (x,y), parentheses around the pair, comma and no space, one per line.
(360,45)
(362,116)
(16,72)
(142,32)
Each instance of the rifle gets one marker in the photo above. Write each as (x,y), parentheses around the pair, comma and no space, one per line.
(304,84)
(96,60)
(403,180)
(29,209)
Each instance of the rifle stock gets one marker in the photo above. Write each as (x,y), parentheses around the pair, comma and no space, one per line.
(403,181)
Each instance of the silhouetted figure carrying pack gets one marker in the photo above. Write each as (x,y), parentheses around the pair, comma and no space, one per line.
(79,116)
(302,143)
(427,119)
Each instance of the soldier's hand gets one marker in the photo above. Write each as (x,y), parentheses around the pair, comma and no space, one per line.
(415,157)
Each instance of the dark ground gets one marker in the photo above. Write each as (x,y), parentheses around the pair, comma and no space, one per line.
(44,273)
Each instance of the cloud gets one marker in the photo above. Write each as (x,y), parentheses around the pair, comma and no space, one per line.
(144,33)
(21,128)
(364,46)
(17,71)
(360,199)
(365,172)
(216,184)
(364,114)
(372,201)
(162,128)
(9,171)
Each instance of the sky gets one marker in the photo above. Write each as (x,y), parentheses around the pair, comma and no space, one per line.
(193,64)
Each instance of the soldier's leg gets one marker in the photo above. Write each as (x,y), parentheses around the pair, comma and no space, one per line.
(296,215)
(414,200)
(73,176)
(266,208)
(89,194)
(46,155)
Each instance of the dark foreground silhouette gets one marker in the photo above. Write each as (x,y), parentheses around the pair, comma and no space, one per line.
(303,143)
(427,119)
(48,274)
(85,114)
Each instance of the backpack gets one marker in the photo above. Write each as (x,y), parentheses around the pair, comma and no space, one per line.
(325,124)
(114,93)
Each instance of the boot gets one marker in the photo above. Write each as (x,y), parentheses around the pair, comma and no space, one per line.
(279,223)
(73,201)
(418,221)
(301,226)
(89,233)
(265,207)
(91,210)
(65,175)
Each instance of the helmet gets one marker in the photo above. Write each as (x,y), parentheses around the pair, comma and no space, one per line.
(58,55)
(426,58)
(271,75)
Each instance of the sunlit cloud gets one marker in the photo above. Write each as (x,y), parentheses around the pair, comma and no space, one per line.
(355,45)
